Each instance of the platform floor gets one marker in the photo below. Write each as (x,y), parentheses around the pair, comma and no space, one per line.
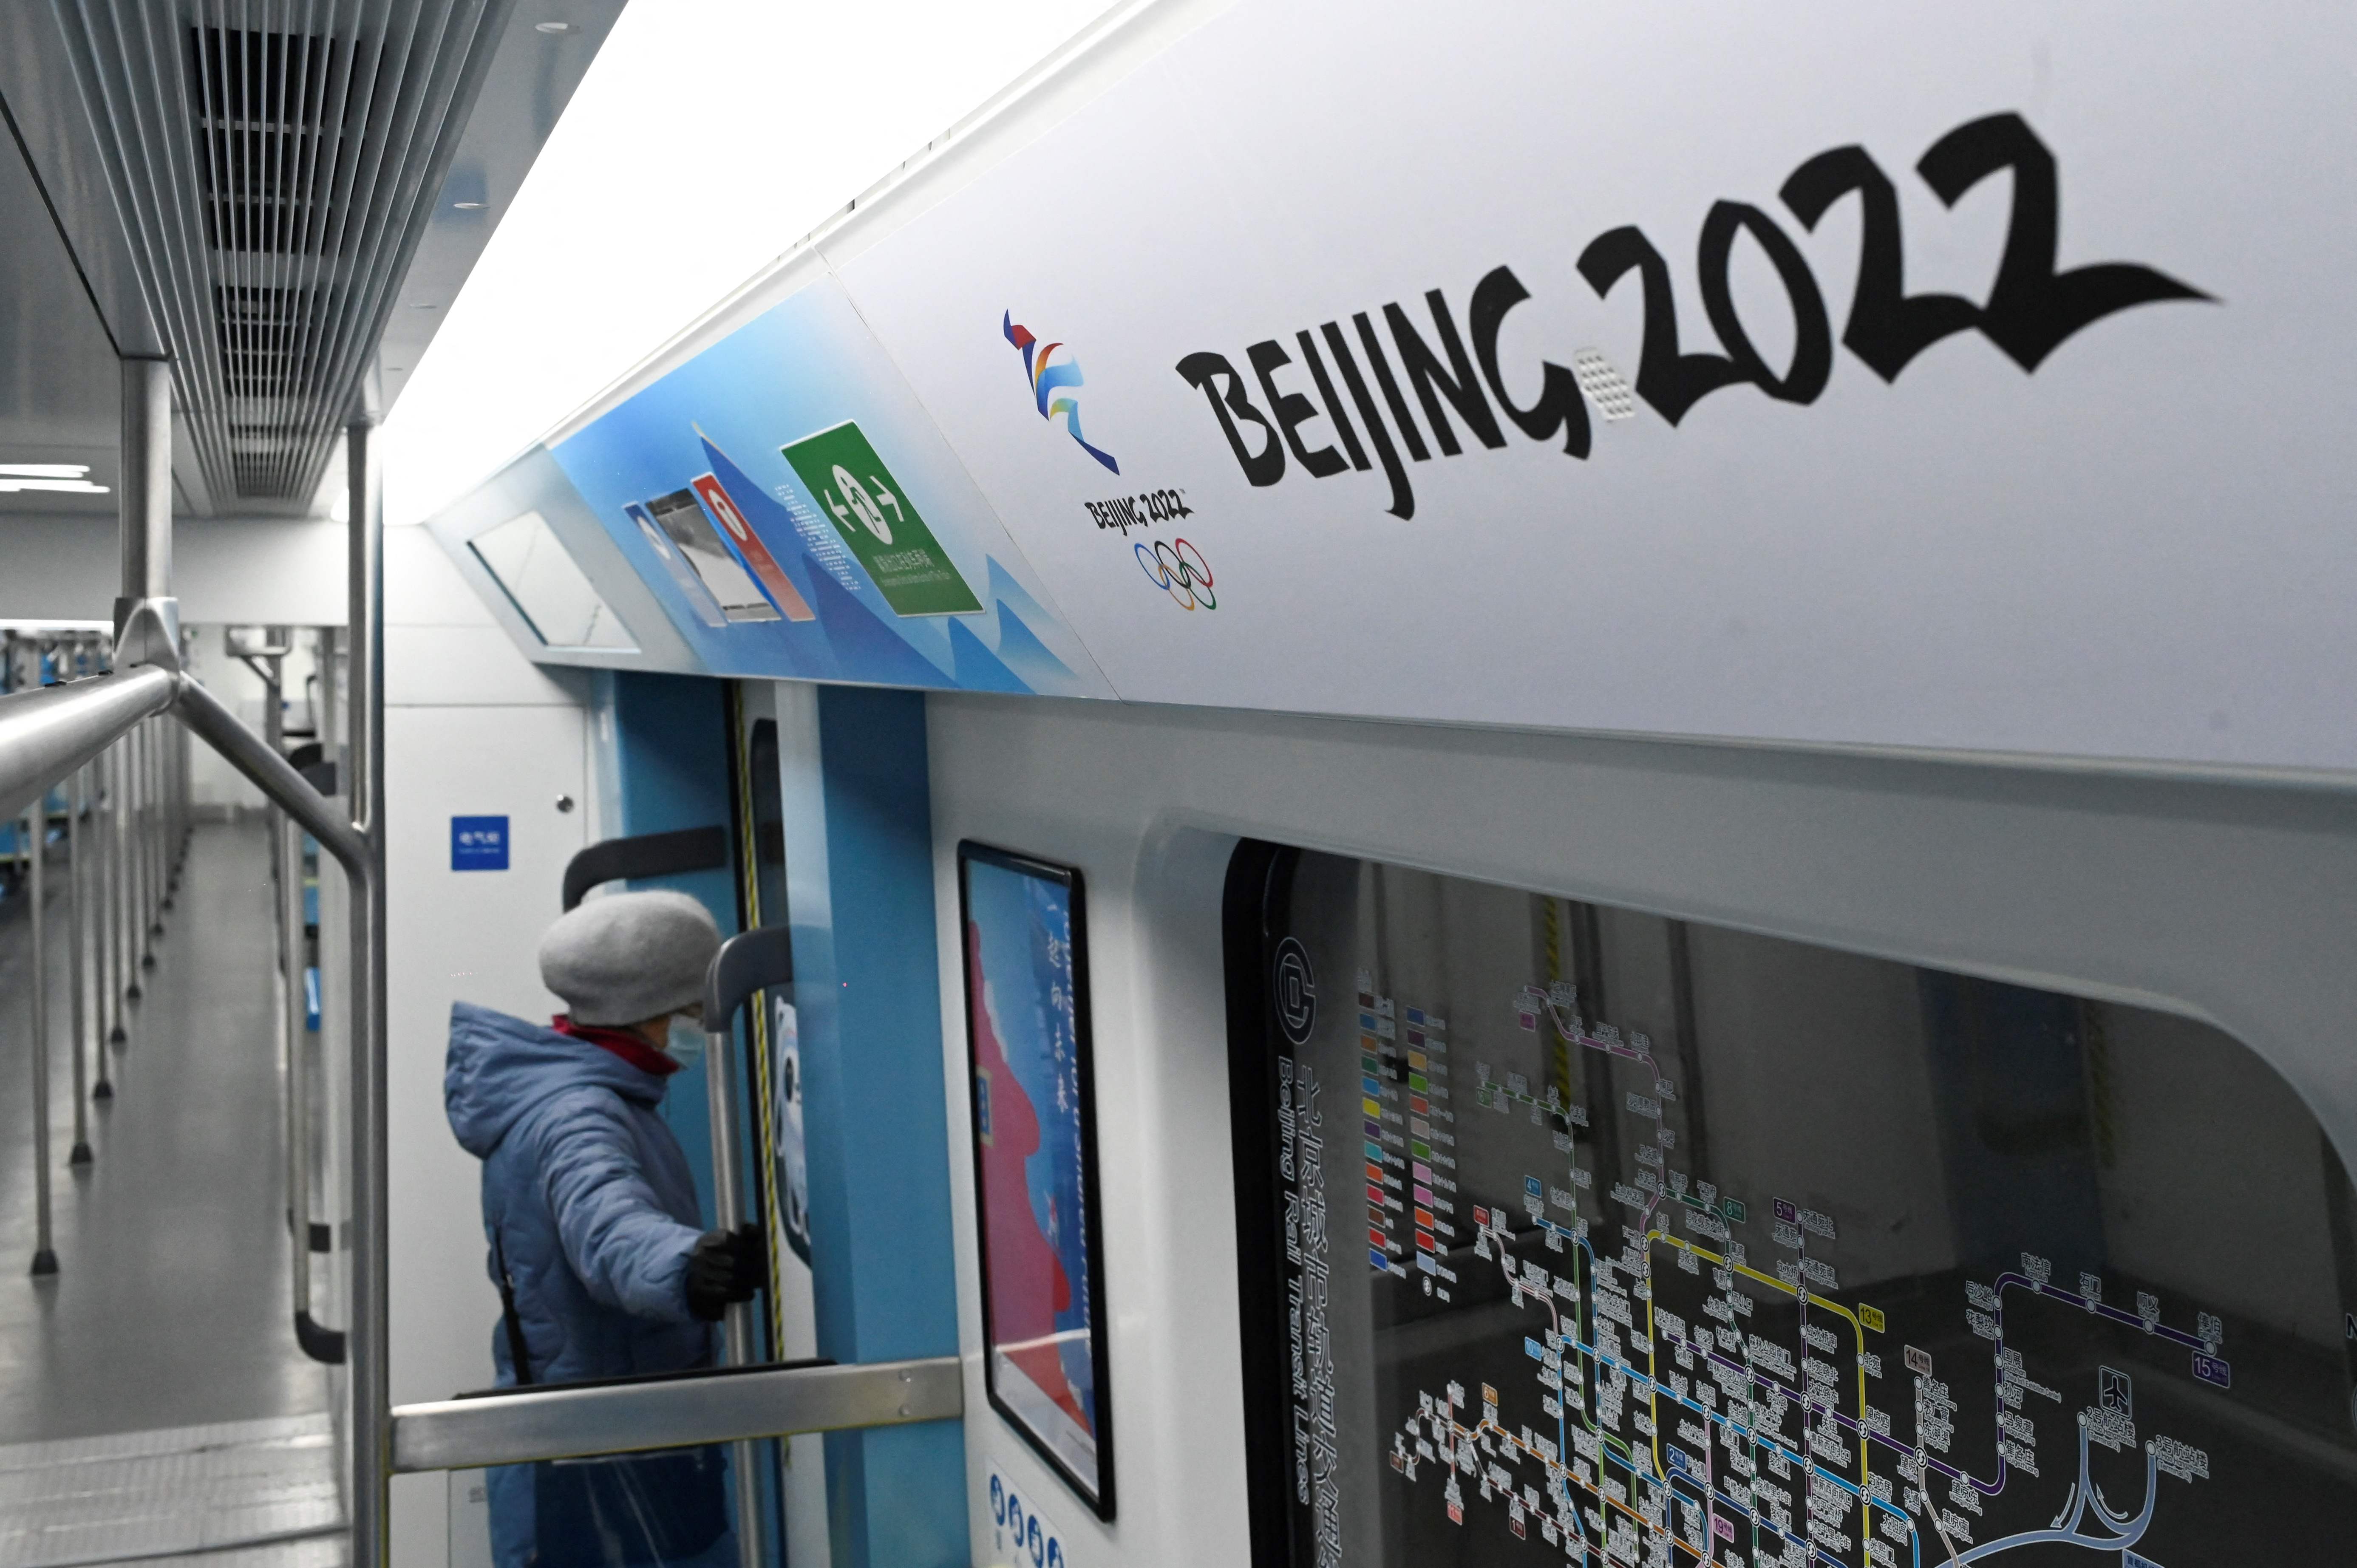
(176,1494)
(168,1324)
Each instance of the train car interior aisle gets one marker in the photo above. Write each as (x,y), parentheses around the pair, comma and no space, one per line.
(175,1203)
(1132,783)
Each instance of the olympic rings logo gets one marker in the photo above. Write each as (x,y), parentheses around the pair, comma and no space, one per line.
(1178,567)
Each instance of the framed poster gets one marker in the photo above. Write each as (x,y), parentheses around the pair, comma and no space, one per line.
(1035,1161)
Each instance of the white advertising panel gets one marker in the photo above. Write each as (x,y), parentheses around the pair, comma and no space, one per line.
(1968,378)
(1827,373)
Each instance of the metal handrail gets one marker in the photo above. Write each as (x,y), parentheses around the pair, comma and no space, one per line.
(370,1303)
(35,824)
(273,775)
(644,854)
(319,1342)
(533,1424)
(50,731)
(746,962)
(47,732)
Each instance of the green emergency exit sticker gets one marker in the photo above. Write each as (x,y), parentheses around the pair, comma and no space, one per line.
(880,525)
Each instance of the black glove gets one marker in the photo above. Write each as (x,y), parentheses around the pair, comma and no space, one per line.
(726,1267)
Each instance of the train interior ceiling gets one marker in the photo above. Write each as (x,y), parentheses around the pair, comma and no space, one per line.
(1628,844)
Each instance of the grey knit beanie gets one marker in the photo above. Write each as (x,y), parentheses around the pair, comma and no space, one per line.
(629,957)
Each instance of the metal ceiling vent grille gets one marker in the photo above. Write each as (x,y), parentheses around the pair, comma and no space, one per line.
(275,163)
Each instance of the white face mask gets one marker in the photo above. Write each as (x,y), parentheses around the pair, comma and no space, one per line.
(686,1044)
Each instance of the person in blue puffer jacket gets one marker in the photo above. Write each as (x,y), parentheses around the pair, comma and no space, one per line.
(590,1215)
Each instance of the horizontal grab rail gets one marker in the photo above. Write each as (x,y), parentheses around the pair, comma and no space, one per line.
(47,733)
(569,1423)
(50,731)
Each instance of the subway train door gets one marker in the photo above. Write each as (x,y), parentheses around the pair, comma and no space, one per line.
(774,1113)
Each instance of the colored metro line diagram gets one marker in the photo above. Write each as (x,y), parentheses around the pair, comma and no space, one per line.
(1677,1400)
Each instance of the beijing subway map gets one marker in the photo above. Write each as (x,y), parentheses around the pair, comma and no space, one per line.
(1582,1351)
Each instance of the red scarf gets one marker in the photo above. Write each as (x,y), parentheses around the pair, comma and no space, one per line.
(621,1042)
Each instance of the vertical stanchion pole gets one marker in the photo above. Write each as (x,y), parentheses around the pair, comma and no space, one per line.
(102,907)
(167,817)
(126,822)
(37,825)
(77,923)
(146,617)
(371,1389)
(728,1209)
(154,836)
(110,909)
(151,902)
(184,822)
(292,1018)
(168,768)
(130,862)
(155,864)
(331,723)
(119,881)
(127,818)
(142,740)
(285,872)
(168,790)
(135,806)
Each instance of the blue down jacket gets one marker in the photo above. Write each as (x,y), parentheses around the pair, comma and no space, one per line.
(585,1191)
(588,1195)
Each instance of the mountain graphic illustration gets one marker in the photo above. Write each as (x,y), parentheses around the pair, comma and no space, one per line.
(868,647)
(978,668)
(1020,649)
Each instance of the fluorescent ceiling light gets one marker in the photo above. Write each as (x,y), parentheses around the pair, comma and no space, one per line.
(66,486)
(43,470)
(546,320)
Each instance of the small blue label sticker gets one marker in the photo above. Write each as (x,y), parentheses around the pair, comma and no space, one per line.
(2211,1370)
(478,843)
(1021,1536)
